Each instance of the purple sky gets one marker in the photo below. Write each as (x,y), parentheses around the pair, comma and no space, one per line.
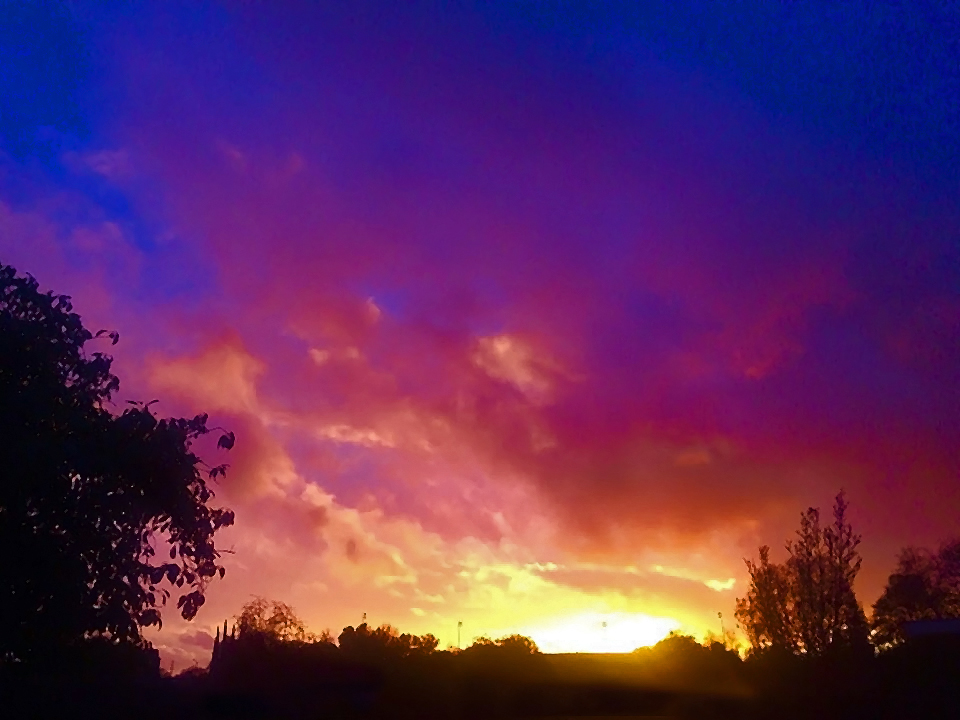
(534,316)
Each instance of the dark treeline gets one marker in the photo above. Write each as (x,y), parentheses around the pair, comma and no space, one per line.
(381,673)
(813,654)
(107,518)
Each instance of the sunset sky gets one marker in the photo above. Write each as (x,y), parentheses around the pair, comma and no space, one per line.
(539,315)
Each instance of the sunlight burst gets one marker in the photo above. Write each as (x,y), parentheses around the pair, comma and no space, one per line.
(600,632)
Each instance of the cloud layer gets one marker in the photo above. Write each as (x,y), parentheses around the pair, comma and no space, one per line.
(513,325)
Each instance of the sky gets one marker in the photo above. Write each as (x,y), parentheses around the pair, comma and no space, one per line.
(536,316)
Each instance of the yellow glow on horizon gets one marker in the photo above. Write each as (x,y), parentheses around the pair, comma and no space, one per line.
(610,632)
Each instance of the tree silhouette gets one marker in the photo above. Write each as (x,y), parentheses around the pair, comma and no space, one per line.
(766,613)
(924,586)
(384,643)
(825,563)
(90,500)
(270,619)
(509,658)
(679,658)
(807,605)
(518,645)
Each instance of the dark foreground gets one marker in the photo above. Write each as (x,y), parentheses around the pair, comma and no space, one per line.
(919,680)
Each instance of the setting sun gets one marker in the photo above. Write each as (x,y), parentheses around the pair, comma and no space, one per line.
(598,632)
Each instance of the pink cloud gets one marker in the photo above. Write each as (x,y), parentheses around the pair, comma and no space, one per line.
(466,323)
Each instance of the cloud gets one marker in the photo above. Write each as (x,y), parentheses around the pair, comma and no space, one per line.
(491,355)
(114,165)
(512,360)
(643,372)
(222,377)
(200,639)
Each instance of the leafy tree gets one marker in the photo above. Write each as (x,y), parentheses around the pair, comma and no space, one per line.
(924,586)
(807,605)
(90,500)
(270,619)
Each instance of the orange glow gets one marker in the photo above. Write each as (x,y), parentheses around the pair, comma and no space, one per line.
(599,632)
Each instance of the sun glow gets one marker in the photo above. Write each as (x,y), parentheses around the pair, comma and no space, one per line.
(600,632)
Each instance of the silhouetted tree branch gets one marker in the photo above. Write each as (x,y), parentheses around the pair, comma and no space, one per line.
(102,516)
